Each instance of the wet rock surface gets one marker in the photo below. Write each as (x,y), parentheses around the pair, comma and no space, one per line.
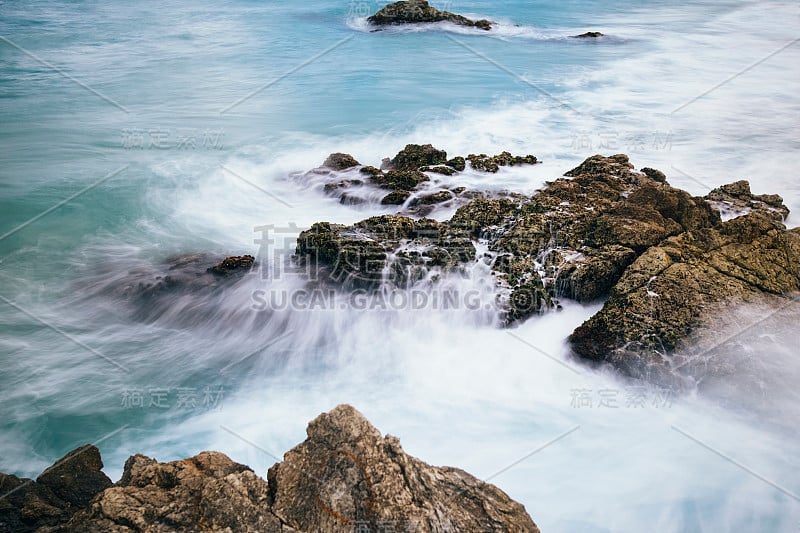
(345,475)
(419,11)
(603,232)
(680,288)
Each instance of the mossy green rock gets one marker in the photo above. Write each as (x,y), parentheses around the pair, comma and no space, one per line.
(414,156)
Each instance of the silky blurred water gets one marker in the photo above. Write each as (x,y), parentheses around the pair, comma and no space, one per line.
(185,122)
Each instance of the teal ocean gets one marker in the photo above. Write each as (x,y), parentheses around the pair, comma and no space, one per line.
(134,131)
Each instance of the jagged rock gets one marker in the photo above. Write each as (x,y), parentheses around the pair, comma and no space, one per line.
(735,199)
(208,492)
(588,35)
(419,11)
(346,475)
(414,156)
(680,286)
(60,491)
(339,161)
(233,264)
(493,163)
(356,256)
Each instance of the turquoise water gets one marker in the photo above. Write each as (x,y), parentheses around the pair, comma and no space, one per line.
(159,98)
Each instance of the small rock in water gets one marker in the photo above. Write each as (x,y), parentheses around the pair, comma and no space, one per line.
(419,11)
(588,35)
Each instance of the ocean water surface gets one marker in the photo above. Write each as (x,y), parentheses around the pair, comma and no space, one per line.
(133,132)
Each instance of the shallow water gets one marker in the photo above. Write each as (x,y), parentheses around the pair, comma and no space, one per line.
(202,110)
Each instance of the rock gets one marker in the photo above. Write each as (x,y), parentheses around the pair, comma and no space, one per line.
(592,274)
(395,198)
(205,493)
(447,171)
(345,475)
(419,11)
(493,164)
(434,198)
(457,163)
(404,180)
(335,188)
(233,264)
(654,174)
(678,289)
(414,156)
(482,213)
(372,171)
(357,256)
(76,477)
(735,199)
(60,491)
(339,161)
(588,35)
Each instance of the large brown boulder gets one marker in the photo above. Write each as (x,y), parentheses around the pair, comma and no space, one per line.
(346,475)
(678,290)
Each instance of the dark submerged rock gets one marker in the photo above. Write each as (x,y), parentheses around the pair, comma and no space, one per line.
(588,35)
(233,264)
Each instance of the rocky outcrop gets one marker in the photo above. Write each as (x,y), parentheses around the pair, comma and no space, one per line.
(357,256)
(344,477)
(58,493)
(735,199)
(664,260)
(207,492)
(574,238)
(676,292)
(347,475)
(415,180)
(492,164)
(419,11)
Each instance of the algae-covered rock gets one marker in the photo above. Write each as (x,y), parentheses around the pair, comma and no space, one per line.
(419,11)
(339,161)
(493,163)
(414,156)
